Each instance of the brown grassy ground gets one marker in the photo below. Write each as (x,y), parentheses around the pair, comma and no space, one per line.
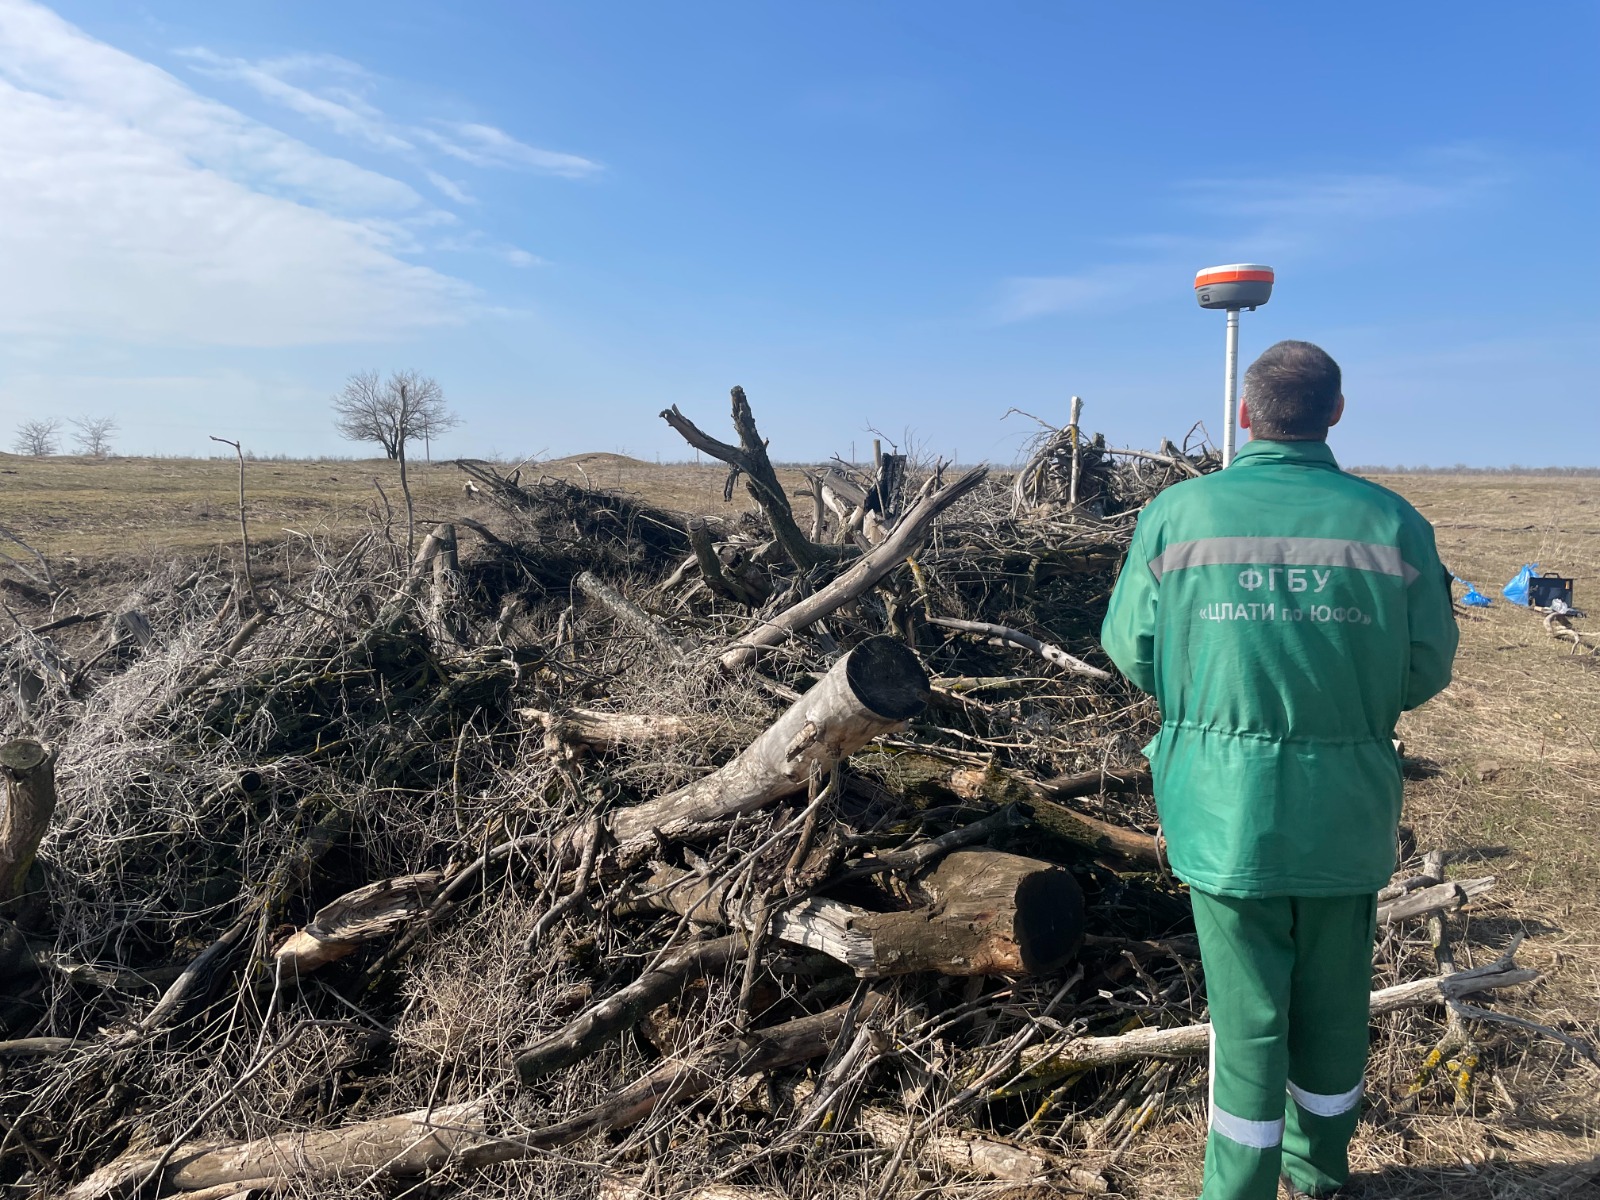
(89,508)
(1515,738)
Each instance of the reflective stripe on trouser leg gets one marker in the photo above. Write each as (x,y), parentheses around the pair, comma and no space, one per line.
(1320,1105)
(1257,1135)
(1247,951)
(1328,1033)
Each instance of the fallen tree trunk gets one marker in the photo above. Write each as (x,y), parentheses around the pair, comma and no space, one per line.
(29,771)
(990,913)
(342,926)
(872,690)
(413,1143)
(1046,1062)
(906,538)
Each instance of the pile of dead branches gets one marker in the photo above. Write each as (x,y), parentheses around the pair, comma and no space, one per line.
(596,849)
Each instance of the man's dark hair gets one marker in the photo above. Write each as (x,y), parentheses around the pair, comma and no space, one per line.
(1292,390)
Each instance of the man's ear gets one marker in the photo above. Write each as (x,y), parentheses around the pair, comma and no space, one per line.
(1244,413)
(1338,411)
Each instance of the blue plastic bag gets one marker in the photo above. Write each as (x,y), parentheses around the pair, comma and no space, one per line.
(1474,598)
(1517,590)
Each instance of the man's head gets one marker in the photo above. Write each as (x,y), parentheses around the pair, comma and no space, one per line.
(1292,394)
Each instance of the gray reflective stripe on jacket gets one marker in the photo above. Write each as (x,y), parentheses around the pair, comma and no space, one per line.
(1288,551)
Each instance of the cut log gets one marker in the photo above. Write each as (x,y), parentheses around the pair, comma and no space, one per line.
(625,1007)
(444,622)
(990,913)
(865,573)
(872,690)
(1045,1062)
(341,927)
(1134,782)
(29,771)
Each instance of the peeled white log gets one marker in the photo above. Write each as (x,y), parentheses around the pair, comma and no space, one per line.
(872,690)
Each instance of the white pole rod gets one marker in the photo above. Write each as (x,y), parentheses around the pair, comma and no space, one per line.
(1072,489)
(1230,389)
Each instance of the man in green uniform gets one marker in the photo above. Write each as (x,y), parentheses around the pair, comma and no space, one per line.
(1283,614)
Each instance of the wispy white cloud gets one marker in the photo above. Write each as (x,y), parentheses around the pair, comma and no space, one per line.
(486,146)
(44,55)
(1022,298)
(338,93)
(450,188)
(341,107)
(134,209)
(1253,218)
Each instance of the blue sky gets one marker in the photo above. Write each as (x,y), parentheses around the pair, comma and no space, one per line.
(904,216)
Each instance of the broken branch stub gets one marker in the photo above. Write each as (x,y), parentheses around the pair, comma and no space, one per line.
(750,458)
(29,770)
(874,689)
(864,573)
(342,926)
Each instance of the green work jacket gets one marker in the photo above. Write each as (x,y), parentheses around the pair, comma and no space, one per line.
(1283,614)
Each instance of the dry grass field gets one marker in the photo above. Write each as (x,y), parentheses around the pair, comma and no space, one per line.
(1514,742)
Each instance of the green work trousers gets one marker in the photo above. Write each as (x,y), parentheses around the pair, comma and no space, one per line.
(1288,980)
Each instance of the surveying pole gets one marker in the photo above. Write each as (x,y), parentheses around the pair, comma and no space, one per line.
(1233,287)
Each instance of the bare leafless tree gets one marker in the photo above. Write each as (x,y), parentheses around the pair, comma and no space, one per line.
(92,435)
(406,407)
(37,437)
(391,412)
